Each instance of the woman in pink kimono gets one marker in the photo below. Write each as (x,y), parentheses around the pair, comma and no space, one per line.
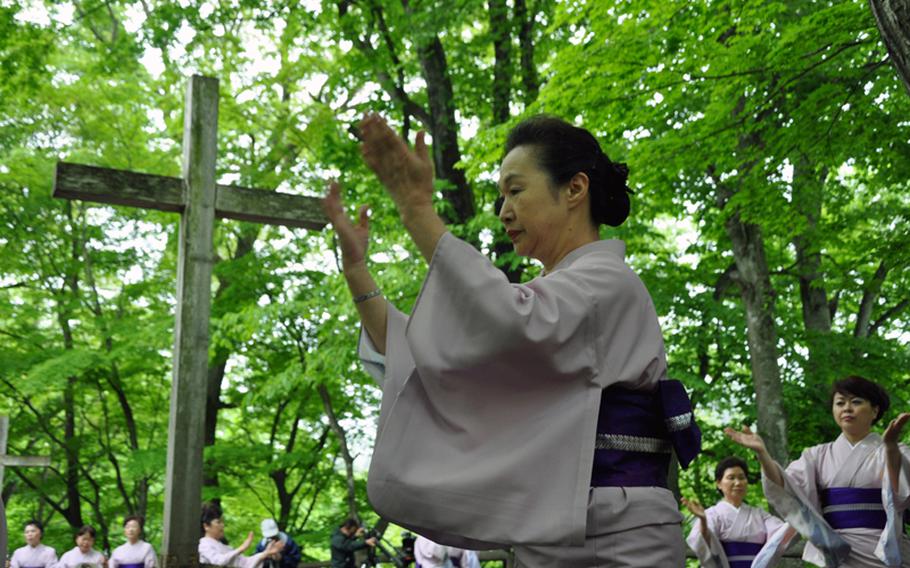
(135,552)
(732,534)
(34,554)
(537,415)
(847,497)
(84,552)
(213,550)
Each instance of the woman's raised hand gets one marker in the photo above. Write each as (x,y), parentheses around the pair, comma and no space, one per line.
(892,433)
(746,438)
(406,174)
(694,507)
(246,542)
(354,239)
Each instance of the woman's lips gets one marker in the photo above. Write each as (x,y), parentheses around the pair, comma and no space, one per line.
(513,233)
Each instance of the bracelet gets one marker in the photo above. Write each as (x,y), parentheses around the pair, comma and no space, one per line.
(367,296)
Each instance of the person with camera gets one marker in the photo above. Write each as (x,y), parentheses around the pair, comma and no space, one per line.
(289,557)
(346,540)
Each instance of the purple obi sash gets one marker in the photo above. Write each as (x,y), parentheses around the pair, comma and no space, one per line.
(740,554)
(139,565)
(852,508)
(636,433)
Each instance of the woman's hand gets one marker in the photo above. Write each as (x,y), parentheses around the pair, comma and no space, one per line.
(406,174)
(695,508)
(893,432)
(246,543)
(354,239)
(747,439)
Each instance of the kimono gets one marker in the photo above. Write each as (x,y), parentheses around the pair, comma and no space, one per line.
(738,537)
(75,558)
(491,396)
(215,552)
(40,556)
(428,554)
(139,555)
(839,497)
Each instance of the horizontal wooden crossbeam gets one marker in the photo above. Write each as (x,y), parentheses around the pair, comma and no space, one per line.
(163,193)
(25,461)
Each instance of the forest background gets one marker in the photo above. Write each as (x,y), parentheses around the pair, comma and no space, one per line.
(768,148)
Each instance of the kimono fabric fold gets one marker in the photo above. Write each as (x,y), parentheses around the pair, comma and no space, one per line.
(744,537)
(41,556)
(839,497)
(491,395)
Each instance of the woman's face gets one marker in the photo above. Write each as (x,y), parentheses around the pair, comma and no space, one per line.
(215,529)
(854,415)
(32,535)
(734,484)
(132,530)
(85,542)
(533,217)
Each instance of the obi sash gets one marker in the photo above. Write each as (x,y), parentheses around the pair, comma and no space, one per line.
(852,508)
(139,565)
(456,562)
(637,432)
(740,554)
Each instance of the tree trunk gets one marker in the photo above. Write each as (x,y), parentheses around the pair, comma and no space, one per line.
(502,66)
(446,152)
(345,452)
(893,19)
(529,77)
(758,300)
(871,292)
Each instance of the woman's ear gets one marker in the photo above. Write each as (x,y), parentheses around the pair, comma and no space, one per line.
(577,189)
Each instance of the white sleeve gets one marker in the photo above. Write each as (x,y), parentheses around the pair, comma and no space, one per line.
(709,551)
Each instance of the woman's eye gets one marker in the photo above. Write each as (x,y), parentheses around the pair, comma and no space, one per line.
(514,191)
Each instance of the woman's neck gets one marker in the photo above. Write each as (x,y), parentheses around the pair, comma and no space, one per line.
(855,438)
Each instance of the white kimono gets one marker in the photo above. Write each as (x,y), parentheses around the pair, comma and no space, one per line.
(838,464)
(745,524)
(139,553)
(491,393)
(216,552)
(40,556)
(75,558)
(428,554)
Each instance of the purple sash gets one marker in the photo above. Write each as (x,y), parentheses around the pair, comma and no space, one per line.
(740,554)
(140,565)
(852,508)
(635,436)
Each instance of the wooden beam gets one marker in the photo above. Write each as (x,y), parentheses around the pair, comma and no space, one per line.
(164,193)
(25,461)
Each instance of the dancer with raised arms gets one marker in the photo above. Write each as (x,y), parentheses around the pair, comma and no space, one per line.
(847,497)
(537,414)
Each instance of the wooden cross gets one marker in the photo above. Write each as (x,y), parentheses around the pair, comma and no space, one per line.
(199,200)
(12,461)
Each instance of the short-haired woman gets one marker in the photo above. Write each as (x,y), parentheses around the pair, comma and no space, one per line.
(732,534)
(84,551)
(135,552)
(213,550)
(34,554)
(847,497)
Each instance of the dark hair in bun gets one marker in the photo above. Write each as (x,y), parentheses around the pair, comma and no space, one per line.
(564,150)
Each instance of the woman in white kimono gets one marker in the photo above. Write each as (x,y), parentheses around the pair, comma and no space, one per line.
(135,552)
(84,552)
(213,550)
(34,554)
(847,497)
(536,414)
(732,534)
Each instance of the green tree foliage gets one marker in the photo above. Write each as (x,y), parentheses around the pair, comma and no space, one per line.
(767,144)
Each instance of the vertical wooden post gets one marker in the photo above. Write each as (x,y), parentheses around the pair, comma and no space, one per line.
(183,486)
(4,538)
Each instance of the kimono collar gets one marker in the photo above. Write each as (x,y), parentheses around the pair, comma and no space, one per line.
(614,247)
(731,505)
(871,439)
